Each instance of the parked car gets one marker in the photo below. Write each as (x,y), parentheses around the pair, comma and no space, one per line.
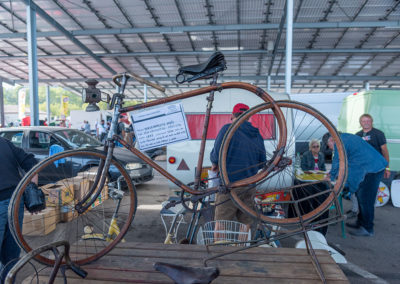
(38,139)
(153,153)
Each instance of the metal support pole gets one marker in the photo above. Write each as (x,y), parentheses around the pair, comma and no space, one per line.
(145,93)
(48,103)
(2,118)
(268,83)
(32,62)
(289,42)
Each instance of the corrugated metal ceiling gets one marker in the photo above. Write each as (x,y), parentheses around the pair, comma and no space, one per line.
(370,49)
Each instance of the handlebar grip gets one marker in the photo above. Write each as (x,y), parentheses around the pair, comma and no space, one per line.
(139,79)
(79,271)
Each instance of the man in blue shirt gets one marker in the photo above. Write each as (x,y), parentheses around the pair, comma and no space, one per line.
(365,170)
(246,149)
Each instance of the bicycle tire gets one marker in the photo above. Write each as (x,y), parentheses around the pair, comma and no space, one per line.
(257,91)
(277,182)
(65,185)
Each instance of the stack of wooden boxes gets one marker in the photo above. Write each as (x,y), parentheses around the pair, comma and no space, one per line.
(61,198)
(39,224)
(88,178)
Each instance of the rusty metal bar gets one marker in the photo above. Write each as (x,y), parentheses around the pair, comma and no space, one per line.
(193,93)
(154,165)
(199,167)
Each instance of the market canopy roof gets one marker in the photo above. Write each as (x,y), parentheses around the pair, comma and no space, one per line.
(337,45)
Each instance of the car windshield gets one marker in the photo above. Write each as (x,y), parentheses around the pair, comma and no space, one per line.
(76,138)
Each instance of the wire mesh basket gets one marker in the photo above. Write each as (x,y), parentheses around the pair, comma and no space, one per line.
(223,231)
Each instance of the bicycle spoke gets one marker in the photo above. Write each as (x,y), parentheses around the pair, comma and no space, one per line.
(87,232)
(282,186)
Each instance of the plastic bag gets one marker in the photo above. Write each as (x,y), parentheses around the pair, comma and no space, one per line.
(213,181)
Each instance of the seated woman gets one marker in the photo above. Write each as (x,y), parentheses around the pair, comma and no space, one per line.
(313,159)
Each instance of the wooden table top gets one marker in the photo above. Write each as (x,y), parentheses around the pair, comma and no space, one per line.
(133,263)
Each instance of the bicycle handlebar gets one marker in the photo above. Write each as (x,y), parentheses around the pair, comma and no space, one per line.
(10,278)
(139,79)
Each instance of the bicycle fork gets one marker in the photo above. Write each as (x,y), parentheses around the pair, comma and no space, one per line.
(98,183)
(114,230)
(171,231)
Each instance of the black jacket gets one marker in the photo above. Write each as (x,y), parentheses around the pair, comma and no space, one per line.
(307,161)
(245,151)
(12,158)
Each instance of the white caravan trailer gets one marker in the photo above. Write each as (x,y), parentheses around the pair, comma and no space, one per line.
(182,157)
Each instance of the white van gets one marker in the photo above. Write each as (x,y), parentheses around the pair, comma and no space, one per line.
(182,157)
(383,105)
(78,116)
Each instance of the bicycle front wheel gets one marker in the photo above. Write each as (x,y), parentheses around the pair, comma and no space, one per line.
(66,178)
(287,195)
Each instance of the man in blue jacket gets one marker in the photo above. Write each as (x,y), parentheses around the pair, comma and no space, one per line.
(242,148)
(12,158)
(365,170)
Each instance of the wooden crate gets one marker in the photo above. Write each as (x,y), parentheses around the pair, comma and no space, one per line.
(67,214)
(58,194)
(40,224)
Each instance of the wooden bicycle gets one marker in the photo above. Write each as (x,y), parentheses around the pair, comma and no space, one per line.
(97,200)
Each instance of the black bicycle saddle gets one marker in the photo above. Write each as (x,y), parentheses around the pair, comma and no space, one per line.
(215,59)
(214,64)
(187,275)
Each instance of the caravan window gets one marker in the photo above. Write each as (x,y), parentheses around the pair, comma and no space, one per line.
(196,123)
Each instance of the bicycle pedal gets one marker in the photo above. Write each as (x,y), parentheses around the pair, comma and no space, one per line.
(172,203)
(115,193)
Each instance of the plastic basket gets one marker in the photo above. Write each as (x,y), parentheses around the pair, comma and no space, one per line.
(223,231)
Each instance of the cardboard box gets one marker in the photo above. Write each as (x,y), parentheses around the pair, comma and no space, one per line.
(56,210)
(59,193)
(40,224)
(67,190)
(85,186)
(72,190)
(52,195)
(83,189)
(67,214)
(57,214)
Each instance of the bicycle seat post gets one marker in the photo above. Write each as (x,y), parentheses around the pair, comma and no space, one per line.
(214,79)
(199,167)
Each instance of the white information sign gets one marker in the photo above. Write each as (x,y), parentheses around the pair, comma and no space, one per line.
(160,126)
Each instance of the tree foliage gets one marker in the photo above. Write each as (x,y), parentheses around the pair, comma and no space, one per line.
(56,94)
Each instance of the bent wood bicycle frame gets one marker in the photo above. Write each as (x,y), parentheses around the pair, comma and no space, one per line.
(121,81)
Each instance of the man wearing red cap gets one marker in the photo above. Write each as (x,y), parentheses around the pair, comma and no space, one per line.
(238,109)
(242,148)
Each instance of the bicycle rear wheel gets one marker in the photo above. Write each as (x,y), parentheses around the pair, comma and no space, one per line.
(295,198)
(66,179)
